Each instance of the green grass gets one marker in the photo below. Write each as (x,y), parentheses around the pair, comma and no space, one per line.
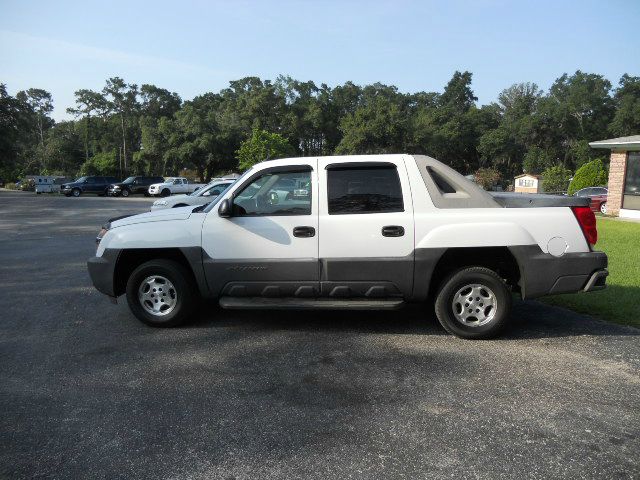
(619,302)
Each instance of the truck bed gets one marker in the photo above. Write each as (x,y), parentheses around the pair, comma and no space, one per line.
(537,200)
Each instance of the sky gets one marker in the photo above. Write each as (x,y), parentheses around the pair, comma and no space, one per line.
(193,47)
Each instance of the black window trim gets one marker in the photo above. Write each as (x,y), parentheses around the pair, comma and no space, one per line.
(269,170)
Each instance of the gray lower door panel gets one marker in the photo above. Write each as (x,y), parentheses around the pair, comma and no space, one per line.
(256,274)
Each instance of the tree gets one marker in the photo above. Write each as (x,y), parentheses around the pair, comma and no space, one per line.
(41,104)
(536,160)
(626,120)
(13,127)
(581,107)
(555,179)
(592,174)
(378,125)
(88,103)
(122,100)
(487,178)
(262,145)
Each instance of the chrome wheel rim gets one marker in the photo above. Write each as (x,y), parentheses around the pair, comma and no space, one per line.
(603,208)
(157,295)
(76,193)
(125,193)
(474,305)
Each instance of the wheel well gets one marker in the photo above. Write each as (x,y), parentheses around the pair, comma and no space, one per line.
(180,205)
(129,260)
(498,259)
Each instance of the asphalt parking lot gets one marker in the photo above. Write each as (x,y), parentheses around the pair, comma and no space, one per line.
(86,391)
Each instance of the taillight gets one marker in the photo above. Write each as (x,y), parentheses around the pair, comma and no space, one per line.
(587,221)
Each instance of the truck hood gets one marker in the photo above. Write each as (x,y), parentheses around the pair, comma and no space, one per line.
(156,216)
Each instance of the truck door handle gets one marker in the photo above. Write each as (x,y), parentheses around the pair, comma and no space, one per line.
(304,232)
(392,231)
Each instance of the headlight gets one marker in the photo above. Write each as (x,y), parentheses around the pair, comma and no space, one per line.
(158,203)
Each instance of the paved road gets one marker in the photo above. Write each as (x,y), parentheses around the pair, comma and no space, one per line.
(86,391)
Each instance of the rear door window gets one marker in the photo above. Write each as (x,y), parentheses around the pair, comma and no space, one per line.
(368,189)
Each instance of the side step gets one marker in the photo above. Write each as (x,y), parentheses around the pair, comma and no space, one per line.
(260,303)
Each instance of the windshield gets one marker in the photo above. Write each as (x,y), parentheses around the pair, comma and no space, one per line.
(129,180)
(81,179)
(220,197)
(201,191)
(169,179)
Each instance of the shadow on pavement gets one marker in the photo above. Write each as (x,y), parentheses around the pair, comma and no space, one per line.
(530,319)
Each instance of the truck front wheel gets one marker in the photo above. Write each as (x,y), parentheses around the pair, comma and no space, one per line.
(165,192)
(473,303)
(161,293)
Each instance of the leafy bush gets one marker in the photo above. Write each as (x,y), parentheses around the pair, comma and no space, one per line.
(487,177)
(592,174)
(104,163)
(555,179)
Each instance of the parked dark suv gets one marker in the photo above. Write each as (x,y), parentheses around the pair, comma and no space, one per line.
(96,185)
(133,185)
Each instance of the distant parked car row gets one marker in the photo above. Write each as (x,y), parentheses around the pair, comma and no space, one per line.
(145,185)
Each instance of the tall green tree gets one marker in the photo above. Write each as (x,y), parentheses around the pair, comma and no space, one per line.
(626,120)
(41,104)
(262,145)
(88,103)
(122,101)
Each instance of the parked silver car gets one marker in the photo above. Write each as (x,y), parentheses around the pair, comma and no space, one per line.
(200,197)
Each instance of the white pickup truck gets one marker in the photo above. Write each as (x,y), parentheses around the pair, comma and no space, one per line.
(172,186)
(360,232)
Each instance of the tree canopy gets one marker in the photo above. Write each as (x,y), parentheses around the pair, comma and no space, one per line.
(128,129)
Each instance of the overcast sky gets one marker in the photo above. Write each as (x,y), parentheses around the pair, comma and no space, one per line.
(192,47)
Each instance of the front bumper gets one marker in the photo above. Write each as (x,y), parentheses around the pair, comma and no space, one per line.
(102,270)
(543,274)
(114,192)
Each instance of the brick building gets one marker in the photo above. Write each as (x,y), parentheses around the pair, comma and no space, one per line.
(624,175)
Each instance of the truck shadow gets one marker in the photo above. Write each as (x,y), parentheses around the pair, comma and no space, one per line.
(530,320)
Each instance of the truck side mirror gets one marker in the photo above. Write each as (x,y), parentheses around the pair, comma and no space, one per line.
(224,210)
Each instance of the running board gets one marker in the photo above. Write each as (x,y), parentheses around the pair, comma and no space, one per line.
(260,303)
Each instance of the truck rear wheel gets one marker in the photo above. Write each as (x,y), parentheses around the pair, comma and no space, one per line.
(473,303)
(161,293)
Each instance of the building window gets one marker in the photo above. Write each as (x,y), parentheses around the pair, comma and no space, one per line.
(525,182)
(632,182)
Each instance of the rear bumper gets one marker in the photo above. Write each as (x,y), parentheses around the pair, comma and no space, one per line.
(543,274)
(101,270)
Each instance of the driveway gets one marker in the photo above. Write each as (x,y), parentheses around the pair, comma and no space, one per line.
(86,391)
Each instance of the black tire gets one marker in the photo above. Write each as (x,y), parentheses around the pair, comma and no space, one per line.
(185,291)
(147,194)
(76,192)
(165,193)
(489,282)
(125,192)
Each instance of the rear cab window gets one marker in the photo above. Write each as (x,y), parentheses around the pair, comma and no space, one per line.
(370,188)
